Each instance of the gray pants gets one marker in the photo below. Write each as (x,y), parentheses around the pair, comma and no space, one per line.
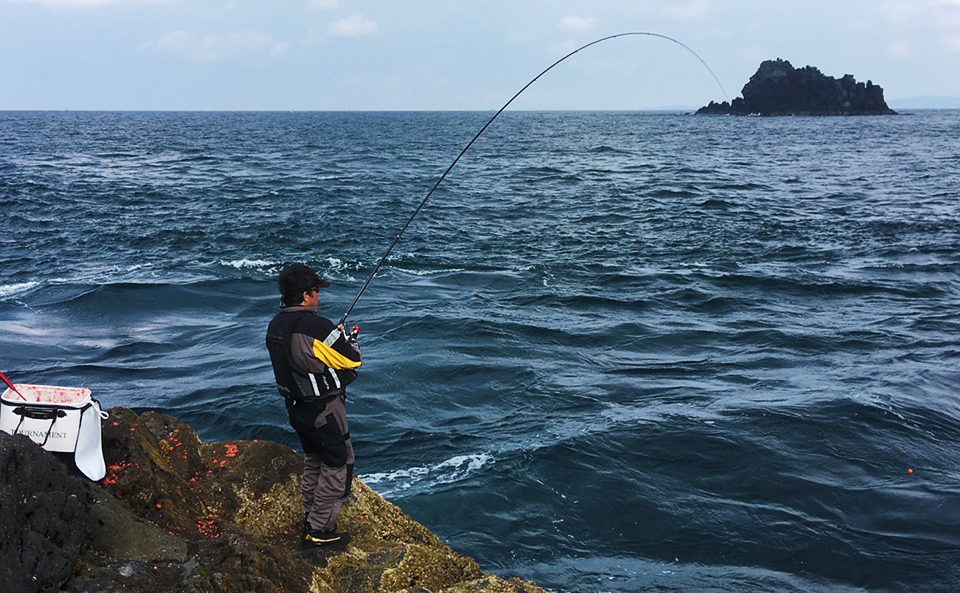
(327,460)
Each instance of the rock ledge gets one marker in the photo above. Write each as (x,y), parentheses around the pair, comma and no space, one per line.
(174,514)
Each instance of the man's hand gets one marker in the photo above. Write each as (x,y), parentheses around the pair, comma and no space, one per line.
(354,332)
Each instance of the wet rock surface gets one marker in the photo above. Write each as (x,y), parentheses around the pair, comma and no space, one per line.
(43,509)
(176,514)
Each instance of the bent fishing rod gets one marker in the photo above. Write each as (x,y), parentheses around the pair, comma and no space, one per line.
(487,125)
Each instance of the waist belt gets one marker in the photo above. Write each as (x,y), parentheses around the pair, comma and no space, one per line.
(322,399)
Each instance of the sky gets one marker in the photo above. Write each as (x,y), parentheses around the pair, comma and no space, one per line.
(455,54)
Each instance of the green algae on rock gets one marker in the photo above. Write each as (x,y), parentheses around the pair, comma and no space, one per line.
(176,514)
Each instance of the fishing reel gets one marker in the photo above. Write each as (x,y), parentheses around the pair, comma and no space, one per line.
(354,332)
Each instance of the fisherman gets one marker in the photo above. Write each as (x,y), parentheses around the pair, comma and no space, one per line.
(314,361)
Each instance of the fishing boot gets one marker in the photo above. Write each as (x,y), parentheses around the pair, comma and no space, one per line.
(326,539)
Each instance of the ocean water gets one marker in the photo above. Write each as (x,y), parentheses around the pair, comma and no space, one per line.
(616,352)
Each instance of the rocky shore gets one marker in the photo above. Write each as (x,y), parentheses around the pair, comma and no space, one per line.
(778,88)
(175,514)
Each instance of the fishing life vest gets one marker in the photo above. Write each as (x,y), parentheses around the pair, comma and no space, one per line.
(292,382)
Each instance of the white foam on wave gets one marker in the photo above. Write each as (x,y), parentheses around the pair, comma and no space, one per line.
(16,289)
(424,273)
(337,268)
(101,275)
(240,264)
(332,266)
(336,263)
(449,471)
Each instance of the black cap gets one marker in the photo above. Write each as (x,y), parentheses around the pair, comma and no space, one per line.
(297,279)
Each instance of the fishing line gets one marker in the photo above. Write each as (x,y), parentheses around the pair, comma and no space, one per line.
(487,125)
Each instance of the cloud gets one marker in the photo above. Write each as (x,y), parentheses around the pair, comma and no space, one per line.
(577,23)
(86,3)
(215,48)
(323,4)
(355,25)
(697,10)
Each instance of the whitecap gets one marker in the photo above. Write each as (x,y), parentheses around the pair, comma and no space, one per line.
(449,471)
(335,263)
(16,289)
(426,273)
(248,263)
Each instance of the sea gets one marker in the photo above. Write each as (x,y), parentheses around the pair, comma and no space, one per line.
(613,352)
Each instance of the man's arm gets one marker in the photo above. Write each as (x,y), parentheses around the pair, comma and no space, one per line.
(318,345)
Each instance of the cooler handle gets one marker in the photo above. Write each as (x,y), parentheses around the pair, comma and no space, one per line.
(35,413)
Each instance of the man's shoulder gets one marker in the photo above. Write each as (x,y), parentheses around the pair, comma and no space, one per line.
(290,313)
(311,322)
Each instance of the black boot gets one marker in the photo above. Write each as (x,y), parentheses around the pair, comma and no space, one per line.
(324,539)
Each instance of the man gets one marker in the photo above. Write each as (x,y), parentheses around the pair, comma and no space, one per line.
(313,362)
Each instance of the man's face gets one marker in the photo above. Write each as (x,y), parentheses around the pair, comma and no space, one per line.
(311,298)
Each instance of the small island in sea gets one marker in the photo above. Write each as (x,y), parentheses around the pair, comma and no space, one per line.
(780,89)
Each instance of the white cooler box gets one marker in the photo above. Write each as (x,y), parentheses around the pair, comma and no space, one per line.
(59,419)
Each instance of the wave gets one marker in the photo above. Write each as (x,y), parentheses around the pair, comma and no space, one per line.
(716,204)
(250,263)
(604,149)
(423,479)
(716,357)
(628,574)
(15,290)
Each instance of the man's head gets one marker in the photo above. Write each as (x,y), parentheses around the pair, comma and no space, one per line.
(297,283)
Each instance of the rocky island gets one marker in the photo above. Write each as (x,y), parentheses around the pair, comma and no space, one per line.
(778,88)
(175,514)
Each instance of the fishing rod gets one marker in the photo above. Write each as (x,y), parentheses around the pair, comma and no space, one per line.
(487,125)
(11,386)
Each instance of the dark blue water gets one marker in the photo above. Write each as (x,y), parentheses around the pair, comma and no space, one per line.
(616,352)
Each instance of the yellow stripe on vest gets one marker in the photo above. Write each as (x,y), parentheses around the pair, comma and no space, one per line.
(331,357)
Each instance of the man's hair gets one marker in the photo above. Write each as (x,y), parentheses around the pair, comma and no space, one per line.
(295,280)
